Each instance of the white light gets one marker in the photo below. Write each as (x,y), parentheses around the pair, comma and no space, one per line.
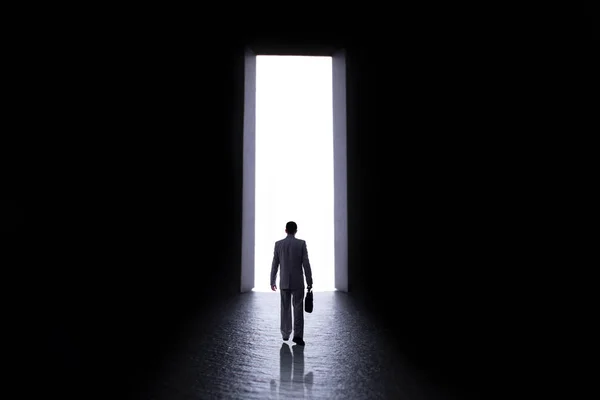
(294,162)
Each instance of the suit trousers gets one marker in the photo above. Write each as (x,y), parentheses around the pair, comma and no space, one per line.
(289,296)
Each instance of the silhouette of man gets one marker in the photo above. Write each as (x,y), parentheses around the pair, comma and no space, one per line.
(292,255)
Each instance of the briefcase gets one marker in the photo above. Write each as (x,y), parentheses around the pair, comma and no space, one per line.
(308,302)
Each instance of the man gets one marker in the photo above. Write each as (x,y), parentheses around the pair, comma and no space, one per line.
(291,254)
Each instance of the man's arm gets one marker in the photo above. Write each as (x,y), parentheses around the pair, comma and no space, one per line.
(274,266)
(306,265)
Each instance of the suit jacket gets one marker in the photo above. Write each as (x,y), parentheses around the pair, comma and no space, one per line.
(292,255)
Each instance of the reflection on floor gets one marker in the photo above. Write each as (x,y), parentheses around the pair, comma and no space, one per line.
(237,353)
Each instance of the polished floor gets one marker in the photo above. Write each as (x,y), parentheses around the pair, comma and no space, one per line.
(236,352)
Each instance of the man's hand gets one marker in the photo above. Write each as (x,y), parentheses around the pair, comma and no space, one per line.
(273,287)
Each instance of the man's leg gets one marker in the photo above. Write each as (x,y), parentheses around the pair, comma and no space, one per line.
(286,313)
(298,298)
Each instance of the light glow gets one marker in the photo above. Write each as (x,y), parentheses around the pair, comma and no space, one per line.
(294,162)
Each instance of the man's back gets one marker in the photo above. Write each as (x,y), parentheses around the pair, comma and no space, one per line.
(291,254)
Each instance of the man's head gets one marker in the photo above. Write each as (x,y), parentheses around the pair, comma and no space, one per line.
(291,228)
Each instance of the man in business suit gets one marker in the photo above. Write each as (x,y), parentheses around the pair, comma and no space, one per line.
(292,255)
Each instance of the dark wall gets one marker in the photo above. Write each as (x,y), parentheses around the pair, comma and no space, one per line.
(151,208)
(436,188)
(592,11)
(13,219)
(144,219)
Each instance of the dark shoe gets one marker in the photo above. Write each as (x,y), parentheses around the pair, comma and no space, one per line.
(298,341)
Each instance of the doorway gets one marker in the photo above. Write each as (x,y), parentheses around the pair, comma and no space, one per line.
(295,164)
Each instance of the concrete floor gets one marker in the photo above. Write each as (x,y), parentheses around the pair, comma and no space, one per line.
(236,352)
